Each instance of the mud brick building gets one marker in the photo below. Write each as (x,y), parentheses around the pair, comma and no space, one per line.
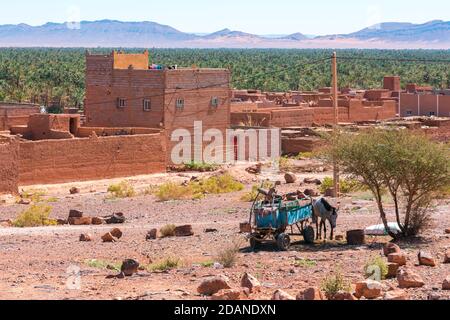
(13,114)
(123,90)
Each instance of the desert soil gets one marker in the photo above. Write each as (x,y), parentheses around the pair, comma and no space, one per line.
(36,263)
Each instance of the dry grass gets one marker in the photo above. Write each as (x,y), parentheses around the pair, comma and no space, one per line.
(167,264)
(251,196)
(378,263)
(121,190)
(168,231)
(228,256)
(334,284)
(35,216)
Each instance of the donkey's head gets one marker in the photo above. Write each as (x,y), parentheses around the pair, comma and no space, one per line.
(334,216)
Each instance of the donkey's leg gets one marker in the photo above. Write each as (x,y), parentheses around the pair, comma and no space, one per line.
(332,231)
(325,229)
(317,229)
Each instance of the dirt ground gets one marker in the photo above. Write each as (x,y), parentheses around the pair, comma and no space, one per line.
(38,263)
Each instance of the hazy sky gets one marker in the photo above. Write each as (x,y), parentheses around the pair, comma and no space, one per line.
(254,16)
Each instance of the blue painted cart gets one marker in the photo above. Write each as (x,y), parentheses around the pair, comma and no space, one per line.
(273,220)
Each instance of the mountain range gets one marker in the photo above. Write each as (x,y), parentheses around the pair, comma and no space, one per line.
(111,33)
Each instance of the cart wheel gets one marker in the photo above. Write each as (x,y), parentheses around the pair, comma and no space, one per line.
(254,244)
(283,242)
(309,235)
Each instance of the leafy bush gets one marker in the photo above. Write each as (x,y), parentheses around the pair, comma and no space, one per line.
(380,265)
(35,196)
(35,216)
(168,231)
(228,256)
(284,164)
(334,284)
(346,185)
(172,191)
(201,167)
(165,265)
(122,190)
(220,184)
(250,196)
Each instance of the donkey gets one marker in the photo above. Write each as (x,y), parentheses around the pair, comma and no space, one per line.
(325,211)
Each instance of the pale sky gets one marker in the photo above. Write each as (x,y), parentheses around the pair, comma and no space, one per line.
(253,16)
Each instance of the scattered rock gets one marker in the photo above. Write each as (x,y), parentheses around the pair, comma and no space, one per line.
(368,289)
(97,221)
(447,231)
(392,270)
(116,218)
(245,227)
(6,223)
(312,181)
(84,221)
(311,294)
(250,282)
(446,284)
(227,295)
(213,285)
(256,169)
(24,201)
(86,237)
(62,222)
(210,230)
(396,295)
(398,258)
(342,295)
(75,214)
(129,267)
(74,190)
(340,238)
(426,259)
(184,231)
(116,233)
(281,295)
(310,193)
(409,279)
(391,248)
(108,237)
(152,234)
(329,193)
(356,237)
(290,178)
(447,257)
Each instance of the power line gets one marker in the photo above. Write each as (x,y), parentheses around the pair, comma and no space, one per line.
(394,59)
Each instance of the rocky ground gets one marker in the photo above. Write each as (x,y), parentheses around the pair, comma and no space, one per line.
(43,262)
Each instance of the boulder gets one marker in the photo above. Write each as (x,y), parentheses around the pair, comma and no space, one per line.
(184,231)
(290,178)
(398,258)
(84,221)
(212,285)
(392,270)
(311,294)
(312,181)
(356,237)
(24,201)
(396,295)
(6,223)
(116,233)
(446,284)
(116,218)
(152,234)
(74,190)
(342,295)
(227,295)
(245,227)
(250,282)
(368,289)
(310,193)
(391,248)
(62,222)
(210,230)
(409,279)
(281,295)
(97,221)
(129,267)
(426,259)
(447,257)
(447,231)
(339,238)
(86,237)
(75,214)
(108,237)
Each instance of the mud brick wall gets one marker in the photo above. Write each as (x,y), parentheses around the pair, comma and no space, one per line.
(290,117)
(15,114)
(424,104)
(293,146)
(59,161)
(9,171)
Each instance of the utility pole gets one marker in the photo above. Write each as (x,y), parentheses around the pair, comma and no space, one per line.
(336,120)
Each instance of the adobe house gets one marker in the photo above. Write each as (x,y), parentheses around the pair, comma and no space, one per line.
(123,90)
(15,114)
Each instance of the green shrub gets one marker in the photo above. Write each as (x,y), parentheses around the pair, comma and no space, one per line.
(35,216)
(165,265)
(102,264)
(220,184)
(250,196)
(121,190)
(284,164)
(168,231)
(201,167)
(380,265)
(335,283)
(172,191)
(305,263)
(35,196)
(304,155)
(346,185)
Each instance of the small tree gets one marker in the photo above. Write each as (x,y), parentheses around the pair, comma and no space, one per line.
(409,167)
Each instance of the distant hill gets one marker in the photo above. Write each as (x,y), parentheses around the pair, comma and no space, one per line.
(112,33)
